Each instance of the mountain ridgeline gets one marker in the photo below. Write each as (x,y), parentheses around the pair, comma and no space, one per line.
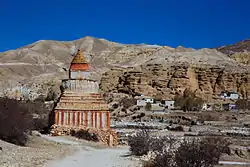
(132,69)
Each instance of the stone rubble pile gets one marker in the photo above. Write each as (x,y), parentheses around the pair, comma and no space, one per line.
(106,136)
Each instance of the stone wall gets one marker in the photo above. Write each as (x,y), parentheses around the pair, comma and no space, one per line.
(86,86)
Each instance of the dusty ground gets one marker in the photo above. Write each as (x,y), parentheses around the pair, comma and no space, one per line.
(37,152)
(93,154)
(47,151)
(107,157)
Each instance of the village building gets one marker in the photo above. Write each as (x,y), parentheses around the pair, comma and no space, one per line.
(229,95)
(81,105)
(169,104)
(143,100)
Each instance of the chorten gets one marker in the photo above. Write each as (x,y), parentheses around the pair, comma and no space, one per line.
(81,105)
(79,68)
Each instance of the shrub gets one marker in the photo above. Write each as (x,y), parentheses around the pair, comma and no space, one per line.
(127,102)
(85,134)
(51,95)
(158,144)
(139,143)
(141,115)
(172,153)
(193,153)
(163,160)
(188,101)
(242,104)
(40,111)
(148,107)
(115,106)
(176,128)
(15,121)
(72,132)
(204,153)
(39,124)
(147,164)
(19,117)
(222,144)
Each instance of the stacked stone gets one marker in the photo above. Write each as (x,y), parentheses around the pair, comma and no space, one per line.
(106,136)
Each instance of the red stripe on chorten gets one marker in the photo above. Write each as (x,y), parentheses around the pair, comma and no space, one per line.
(82,67)
(79,62)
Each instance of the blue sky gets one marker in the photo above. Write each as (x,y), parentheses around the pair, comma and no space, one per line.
(190,23)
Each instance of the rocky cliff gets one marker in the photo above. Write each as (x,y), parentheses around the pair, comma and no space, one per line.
(167,81)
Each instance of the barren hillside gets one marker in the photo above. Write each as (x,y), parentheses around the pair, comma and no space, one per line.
(46,62)
(239,51)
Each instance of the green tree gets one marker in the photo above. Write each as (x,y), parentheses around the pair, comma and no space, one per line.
(188,101)
(148,107)
(127,102)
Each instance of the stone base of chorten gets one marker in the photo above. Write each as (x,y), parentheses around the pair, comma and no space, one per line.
(106,136)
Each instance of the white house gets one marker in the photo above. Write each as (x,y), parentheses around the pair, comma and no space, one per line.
(169,104)
(229,95)
(143,100)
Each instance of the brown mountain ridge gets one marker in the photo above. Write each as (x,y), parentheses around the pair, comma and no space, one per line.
(39,67)
(239,51)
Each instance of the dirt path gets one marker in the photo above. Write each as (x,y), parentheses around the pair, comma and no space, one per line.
(109,157)
(94,157)
(102,157)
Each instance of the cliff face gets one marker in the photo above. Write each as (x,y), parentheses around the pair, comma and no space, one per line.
(167,81)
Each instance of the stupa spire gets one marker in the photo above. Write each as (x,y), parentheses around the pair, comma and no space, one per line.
(79,58)
(79,62)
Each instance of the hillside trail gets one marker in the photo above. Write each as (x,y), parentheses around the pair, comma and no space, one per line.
(94,157)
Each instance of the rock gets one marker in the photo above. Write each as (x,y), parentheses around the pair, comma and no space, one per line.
(167,81)
(241,151)
(106,136)
(36,133)
(246,124)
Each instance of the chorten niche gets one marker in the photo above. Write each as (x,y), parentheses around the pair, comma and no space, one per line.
(81,105)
